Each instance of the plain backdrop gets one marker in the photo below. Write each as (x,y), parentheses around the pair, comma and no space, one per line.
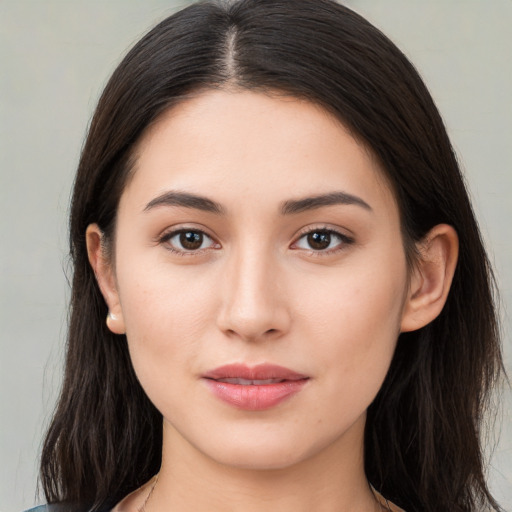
(56,56)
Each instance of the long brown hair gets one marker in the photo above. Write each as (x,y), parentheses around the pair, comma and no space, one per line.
(422,439)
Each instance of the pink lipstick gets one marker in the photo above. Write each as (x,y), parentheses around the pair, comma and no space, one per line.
(254,388)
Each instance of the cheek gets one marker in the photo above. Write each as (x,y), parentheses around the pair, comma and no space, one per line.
(354,320)
(166,314)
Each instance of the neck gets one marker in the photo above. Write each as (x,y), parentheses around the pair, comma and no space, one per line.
(330,481)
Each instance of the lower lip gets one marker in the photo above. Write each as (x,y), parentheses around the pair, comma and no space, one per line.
(255,398)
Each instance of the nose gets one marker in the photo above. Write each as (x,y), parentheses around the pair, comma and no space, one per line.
(253,302)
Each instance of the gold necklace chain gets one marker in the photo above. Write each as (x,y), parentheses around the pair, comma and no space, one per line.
(143,507)
(378,502)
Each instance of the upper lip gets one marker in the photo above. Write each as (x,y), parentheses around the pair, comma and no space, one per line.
(258,372)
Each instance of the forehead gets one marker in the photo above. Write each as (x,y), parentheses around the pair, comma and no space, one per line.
(249,145)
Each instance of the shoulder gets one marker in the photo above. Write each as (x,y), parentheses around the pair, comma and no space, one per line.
(44,508)
(47,508)
(56,507)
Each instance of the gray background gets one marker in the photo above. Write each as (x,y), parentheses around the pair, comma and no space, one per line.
(56,56)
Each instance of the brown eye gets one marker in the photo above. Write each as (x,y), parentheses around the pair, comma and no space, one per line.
(187,241)
(191,240)
(319,240)
(322,240)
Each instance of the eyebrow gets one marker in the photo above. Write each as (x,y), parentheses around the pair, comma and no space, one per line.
(187,200)
(333,198)
(290,207)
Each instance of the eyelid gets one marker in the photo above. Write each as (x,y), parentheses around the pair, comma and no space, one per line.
(173,231)
(346,240)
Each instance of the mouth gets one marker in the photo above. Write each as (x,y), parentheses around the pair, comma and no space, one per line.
(254,388)
(251,382)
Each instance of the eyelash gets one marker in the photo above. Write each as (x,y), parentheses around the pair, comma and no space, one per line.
(344,241)
(166,237)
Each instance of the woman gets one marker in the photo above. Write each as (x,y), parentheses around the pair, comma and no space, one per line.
(299,315)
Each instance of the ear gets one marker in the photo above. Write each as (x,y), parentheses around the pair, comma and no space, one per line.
(431,278)
(105,276)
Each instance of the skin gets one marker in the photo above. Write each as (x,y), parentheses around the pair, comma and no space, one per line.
(257,292)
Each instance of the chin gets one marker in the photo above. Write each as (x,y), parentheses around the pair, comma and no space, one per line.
(266,454)
(255,459)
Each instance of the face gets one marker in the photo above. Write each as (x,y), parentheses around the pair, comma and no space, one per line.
(257,232)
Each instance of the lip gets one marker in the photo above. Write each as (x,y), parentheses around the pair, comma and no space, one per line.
(254,396)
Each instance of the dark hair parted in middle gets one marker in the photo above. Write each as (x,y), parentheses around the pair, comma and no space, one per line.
(422,448)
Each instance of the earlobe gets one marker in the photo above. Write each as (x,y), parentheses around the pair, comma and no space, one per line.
(431,278)
(104,272)
(115,323)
